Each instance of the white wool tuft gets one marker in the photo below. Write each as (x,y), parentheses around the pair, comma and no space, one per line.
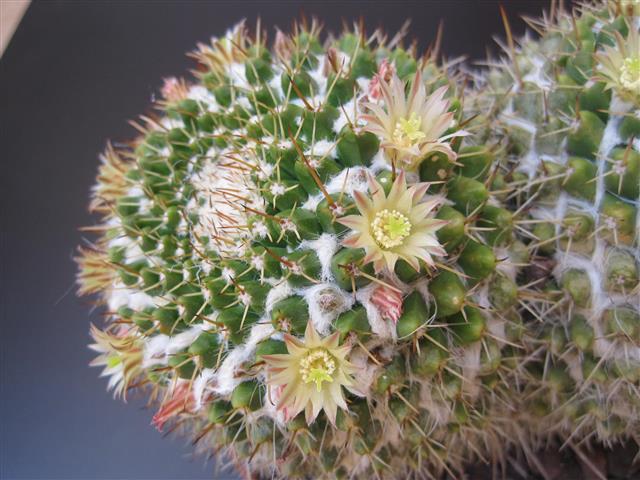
(200,385)
(322,148)
(170,123)
(531,160)
(200,93)
(225,379)
(237,75)
(159,348)
(321,317)
(275,84)
(349,180)
(325,246)
(279,292)
(537,74)
(470,363)
(349,115)
(391,430)
(363,83)
(154,348)
(245,103)
(182,340)
(379,162)
(312,202)
(121,296)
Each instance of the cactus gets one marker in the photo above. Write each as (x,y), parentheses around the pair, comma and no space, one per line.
(328,258)
(565,111)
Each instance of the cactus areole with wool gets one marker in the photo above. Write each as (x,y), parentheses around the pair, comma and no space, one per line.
(329,257)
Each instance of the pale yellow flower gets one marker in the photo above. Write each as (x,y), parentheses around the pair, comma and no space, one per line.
(620,66)
(400,225)
(121,357)
(311,375)
(410,127)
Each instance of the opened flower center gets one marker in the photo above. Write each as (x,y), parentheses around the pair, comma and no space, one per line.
(113,361)
(407,131)
(317,367)
(630,74)
(390,228)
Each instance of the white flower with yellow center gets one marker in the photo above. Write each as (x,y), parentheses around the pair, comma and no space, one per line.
(400,225)
(121,357)
(412,126)
(311,375)
(620,66)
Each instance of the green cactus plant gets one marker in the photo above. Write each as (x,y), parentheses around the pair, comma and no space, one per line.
(575,94)
(324,260)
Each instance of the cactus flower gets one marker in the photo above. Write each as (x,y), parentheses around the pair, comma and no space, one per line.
(313,373)
(620,66)
(121,357)
(397,226)
(410,127)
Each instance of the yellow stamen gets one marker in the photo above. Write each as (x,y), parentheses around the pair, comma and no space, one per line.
(390,228)
(408,131)
(630,74)
(317,367)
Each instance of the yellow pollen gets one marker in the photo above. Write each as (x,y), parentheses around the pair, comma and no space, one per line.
(317,367)
(390,228)
(407,131)
(630,75)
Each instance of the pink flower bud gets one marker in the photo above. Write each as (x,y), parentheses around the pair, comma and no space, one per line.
(174,90)
(180,400)
(385,72)
(388,302)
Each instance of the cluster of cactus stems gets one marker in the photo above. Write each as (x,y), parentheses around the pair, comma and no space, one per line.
(332,259)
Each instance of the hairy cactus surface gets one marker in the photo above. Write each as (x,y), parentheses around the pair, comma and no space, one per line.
(333,258)
(566,112)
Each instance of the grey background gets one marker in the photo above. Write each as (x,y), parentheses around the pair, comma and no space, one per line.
(71,77)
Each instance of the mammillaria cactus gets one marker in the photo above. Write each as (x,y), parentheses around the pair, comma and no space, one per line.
(332,259)
(566,111)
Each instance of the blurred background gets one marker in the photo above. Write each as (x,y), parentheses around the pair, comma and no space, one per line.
(71,76)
